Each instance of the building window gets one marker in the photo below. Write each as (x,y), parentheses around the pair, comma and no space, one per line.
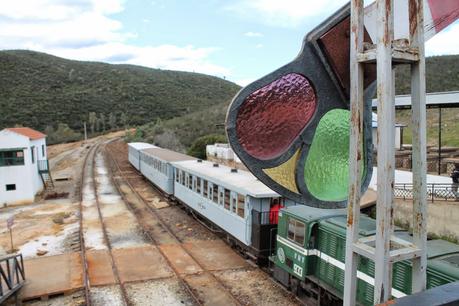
(32,152)
(11,158)
(296,231)
(10,187)
(43,150)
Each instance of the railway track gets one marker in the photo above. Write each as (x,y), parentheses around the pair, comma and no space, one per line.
(89,175)
(152,234)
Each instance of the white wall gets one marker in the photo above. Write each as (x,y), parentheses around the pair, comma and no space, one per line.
(25,177)
(37,144)
(397,137)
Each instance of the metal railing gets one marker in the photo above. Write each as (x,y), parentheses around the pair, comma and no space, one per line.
(435,192)
(43,166)
(12,276)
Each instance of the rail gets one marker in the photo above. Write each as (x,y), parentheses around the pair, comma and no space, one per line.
(12,276)
(435,192)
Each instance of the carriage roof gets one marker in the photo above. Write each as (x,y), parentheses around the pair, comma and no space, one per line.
(141,145)
(241,181)
(167,155)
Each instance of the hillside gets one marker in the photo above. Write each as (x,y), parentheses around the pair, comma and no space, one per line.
(40,90)
(442,75)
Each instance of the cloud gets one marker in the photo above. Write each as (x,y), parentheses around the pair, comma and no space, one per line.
(85,30)
(258,46)
(253,34)
(244,82)
(287,13)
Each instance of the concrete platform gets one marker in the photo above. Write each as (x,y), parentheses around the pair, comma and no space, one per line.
(99,268)
(52,275)
(141,263)
(215,255)
(181,261)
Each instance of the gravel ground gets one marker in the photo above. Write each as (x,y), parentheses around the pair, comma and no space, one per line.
(158,292)
(107,295)
(184,226)
(254,287)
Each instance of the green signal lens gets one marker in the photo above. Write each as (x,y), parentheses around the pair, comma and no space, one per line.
(326,170)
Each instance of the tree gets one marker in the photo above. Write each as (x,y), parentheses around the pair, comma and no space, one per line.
(198,148)
(102,121)
(92,121)
(124,119)
(112,121)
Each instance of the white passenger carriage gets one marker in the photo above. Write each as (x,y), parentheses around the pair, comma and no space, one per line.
(155,164)
(134,149)
(232,199)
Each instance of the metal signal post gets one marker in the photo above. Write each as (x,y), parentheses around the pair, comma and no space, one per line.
(384,248)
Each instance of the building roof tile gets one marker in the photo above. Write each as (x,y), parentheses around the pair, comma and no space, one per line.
(28,132)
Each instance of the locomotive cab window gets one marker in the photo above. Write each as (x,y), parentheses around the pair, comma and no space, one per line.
(296,231)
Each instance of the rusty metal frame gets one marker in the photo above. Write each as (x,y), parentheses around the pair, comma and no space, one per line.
(383,248)
(12,276)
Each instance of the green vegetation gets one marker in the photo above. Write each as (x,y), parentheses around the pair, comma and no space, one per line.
(198,148)
(180,133)
(442,75)
(39,90)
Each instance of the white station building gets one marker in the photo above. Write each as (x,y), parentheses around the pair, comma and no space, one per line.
(23,165)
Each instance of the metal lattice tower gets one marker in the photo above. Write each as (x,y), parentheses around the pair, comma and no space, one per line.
(384,248)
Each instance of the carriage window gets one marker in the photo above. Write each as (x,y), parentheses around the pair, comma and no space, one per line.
(177,176)
(234,203)
(204,188)
(215,193)
(240,205)
(198,185)
(190,181)
(182,178)
(221,198)
(194,184)
(227,199)
(296,231)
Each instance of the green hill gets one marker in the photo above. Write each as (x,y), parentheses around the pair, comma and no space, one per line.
(442,75)
(40,90)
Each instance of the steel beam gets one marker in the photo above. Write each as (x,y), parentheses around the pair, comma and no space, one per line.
(356,154)
(419,168)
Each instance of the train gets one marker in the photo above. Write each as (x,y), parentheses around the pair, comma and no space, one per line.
(302,247)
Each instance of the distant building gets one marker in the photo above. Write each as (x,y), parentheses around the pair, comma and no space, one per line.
(223,154)
(398,132)
(23,165)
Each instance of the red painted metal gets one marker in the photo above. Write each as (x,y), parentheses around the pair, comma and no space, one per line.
(272,117)
(444,12)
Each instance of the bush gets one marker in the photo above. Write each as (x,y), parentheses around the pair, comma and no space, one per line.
(198,148)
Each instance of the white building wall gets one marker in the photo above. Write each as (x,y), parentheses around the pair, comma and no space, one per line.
(38,145)
(26,177)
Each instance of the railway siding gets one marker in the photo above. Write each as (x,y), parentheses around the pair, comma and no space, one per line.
(197,255)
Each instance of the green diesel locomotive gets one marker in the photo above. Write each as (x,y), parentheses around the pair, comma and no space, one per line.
(310,252)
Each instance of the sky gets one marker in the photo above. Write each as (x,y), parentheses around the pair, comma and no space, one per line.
(239,40)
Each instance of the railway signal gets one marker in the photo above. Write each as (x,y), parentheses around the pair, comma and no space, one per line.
(291,127)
